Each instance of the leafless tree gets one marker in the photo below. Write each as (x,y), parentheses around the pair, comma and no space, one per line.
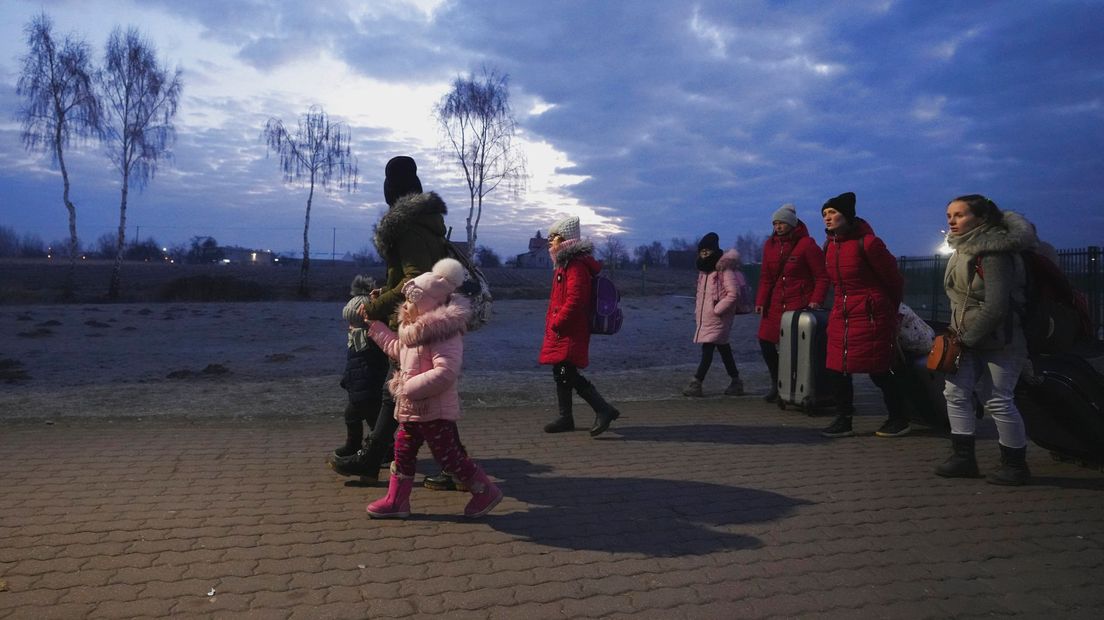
(613,252)
(318,154)
(653,255)
(681,244)
(59,104)
(750,247)
(140,101)
(479,128)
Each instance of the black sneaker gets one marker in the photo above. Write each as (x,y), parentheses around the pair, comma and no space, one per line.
(894,428)
(840,427)
(771,396)
(356,465)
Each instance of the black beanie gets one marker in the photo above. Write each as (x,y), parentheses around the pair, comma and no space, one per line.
(710,242)
(400,179)
(844,203)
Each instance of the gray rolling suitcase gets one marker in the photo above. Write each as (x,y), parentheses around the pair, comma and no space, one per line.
(802,350)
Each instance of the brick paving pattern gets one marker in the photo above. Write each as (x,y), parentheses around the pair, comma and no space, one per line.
(714,508)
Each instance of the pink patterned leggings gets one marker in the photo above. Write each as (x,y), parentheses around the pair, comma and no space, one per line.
(444,443)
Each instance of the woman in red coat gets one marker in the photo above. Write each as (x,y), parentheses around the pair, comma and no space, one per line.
(862,328)
(567,327)
(792,278)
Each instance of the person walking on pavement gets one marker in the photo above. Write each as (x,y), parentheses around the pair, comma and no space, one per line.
(720,284)
(862,327)
(985,280)
(429,349)
(792,277)
(410,238)
(566,345)
(366,369)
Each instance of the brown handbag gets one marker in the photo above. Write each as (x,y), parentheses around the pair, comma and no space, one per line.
(945,353)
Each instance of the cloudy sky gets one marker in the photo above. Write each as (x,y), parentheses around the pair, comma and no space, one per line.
(648,119)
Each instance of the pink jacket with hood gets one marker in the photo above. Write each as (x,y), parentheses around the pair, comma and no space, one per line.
(430,352)
(717,298)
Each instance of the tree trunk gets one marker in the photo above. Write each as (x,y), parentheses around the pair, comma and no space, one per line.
(468,228)
(113,288)
(69,289)
(304,288)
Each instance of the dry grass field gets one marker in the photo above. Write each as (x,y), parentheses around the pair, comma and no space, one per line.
(32,281)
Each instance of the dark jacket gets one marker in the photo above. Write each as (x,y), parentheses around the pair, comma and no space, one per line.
(792,277)
(567,322)
(868,288)
(410,238)
(365,371)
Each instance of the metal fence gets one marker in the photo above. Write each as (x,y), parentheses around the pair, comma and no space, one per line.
(924,283)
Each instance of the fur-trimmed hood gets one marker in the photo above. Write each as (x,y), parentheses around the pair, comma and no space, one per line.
(1013,234)
(730,260)
(440,323)
(572,248)
(427,210)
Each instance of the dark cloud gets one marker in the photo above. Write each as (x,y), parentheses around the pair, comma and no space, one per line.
(686,113)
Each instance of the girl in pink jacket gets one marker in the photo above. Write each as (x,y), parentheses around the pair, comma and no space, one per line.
(429,347)
(718,297)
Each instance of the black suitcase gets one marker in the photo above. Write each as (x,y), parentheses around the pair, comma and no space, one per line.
(1063,407)
(923,389)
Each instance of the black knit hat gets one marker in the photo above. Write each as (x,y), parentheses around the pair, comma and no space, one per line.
(710,242)
(844,203)
(400,179)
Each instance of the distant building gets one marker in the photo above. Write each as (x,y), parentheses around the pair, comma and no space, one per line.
(682,259)
(537,257)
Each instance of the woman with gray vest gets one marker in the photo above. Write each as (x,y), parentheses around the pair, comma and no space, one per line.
(985,281)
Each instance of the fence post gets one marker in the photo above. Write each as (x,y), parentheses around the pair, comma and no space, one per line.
(1096,291)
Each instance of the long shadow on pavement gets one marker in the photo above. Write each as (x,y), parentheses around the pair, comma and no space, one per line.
(631,515)
(733,434)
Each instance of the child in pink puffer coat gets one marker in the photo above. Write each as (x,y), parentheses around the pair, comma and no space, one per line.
(429,347)
(718,297)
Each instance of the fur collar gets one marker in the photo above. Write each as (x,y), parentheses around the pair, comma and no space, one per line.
(572,249)
(440,323)
(730,261)
(427,210)
(1013,234)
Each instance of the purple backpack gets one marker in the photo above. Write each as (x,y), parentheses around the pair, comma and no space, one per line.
(605,315)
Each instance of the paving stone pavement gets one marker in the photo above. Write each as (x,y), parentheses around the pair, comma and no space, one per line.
(712,508)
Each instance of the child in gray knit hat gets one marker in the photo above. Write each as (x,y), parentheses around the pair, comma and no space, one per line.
(366,365)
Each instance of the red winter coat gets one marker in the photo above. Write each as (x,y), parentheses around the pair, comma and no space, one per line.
(791,278)
(862,327)
(567,323)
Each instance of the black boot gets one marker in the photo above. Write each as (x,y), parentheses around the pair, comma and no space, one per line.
(604,413)
(1013,469)
(365,463)
(353,439)
(961,463)
(566,421)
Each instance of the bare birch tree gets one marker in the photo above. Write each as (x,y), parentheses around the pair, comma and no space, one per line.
(479,127)
(318,154)
(140,101)
(59,104)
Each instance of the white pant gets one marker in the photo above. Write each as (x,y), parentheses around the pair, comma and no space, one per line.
(998,370)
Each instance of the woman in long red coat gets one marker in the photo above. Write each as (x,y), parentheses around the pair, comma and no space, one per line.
(862,328)
(566,343)
(792,278)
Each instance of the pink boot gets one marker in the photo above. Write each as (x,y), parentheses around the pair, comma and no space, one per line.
(396,504)
(485,495)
